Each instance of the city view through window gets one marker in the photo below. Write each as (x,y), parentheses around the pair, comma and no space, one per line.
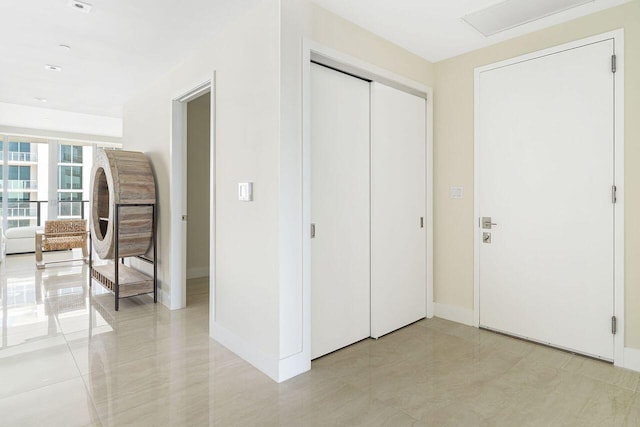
(42,180)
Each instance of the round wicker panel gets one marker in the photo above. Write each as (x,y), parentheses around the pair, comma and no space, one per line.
(121,177)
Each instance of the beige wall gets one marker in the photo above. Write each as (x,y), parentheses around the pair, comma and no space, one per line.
(335,32)
(198,142)
(245,57)
(453,157)
(303,19)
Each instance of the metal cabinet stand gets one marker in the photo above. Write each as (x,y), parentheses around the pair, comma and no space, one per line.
(120,279)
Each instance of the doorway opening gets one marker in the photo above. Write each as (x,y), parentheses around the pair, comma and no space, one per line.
(193,197)
(198,198)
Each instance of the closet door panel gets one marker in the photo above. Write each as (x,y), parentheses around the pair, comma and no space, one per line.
(340,298)
(398,207)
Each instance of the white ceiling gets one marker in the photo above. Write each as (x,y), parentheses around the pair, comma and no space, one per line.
(434,29)
(123,45)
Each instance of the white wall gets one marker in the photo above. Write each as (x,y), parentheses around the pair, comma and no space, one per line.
(245,57)
(23,116)
(198,141)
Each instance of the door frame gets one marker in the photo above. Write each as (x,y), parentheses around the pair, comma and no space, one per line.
(618,304)
(178,195)
(334,59)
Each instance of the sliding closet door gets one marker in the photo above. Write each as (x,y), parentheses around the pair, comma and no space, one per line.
(398,208)
(340,298)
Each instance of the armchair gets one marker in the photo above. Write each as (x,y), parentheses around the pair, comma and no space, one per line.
(61,234)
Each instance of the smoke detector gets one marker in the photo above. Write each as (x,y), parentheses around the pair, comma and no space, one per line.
(52,67)
(80,5)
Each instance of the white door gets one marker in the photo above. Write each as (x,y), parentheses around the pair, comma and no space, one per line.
(546,170)
(340,296)
(398,207)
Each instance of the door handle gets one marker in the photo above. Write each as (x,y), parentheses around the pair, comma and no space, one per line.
(486,223)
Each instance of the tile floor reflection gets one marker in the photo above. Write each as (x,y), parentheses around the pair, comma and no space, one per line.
(68,359)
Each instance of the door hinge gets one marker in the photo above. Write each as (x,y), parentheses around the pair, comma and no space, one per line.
(313,231)
(614,325)
(614,194)
(613,63)
(421,222)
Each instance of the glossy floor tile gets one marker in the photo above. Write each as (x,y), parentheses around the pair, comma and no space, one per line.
(68,359)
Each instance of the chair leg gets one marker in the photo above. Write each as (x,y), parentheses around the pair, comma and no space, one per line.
(39,263)
(85,252)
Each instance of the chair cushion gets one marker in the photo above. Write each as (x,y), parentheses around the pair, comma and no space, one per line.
(20,232)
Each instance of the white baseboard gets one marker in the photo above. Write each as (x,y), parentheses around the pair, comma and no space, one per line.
(277,370)
(454,313)
(293,365)
(164,297)
(268,365)
(631,359)
(197,272)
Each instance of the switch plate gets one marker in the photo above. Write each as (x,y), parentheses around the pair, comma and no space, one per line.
(456,192)
(245,191)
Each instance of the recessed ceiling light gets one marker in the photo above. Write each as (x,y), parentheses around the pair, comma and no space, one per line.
(64,46)
(80,5)
(52,67)
(40,99)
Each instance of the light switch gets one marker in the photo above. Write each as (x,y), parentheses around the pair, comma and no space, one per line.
(245,191)
(456,192)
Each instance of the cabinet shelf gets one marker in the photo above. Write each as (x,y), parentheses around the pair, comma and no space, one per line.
(131,281)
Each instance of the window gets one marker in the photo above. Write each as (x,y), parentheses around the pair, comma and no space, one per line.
(19,182)
(17,173)
(22,152)
(70,154)
(28,197)
(19,223)
(70,178)
(70,204)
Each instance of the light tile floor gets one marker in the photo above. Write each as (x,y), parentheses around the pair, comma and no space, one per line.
(68,359)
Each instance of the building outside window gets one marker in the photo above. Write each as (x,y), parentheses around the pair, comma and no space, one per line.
(21,162)
(70,181)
